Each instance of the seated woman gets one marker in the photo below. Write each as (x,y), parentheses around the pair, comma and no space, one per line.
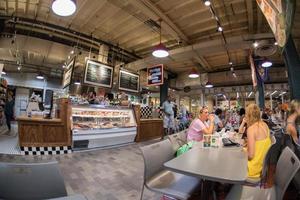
(291,128)
(199,126)
(258,143)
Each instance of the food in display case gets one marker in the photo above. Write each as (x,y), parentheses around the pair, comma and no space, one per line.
(95,117)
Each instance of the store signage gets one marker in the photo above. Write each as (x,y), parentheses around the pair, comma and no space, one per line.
(155,75)
(68,73)
(98,74)
(129,81)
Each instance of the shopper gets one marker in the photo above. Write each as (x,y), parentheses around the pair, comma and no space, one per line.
(294,115)
(92,97)
(258,140)
(218,124)
(9,111)
(167,108)
(199,127)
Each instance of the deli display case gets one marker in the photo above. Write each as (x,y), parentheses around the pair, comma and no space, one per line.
(100,126)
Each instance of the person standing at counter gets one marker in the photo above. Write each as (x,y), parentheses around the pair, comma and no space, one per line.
(218,123)
(167,107)
(9,111)
(258,140)
(199,127)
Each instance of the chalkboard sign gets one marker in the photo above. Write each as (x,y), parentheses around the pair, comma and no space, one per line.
(155,75)
(68,73)
(129,81)
(98,74)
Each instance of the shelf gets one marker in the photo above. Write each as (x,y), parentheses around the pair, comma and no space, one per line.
(95,116)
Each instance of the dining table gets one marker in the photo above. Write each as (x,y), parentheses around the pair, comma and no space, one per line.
(222,164)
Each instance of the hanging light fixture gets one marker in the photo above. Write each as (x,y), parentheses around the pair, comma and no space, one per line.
(40,76)
(207,2)
(209,85)
(3,72)
(77,82)
(64,7)
(220,28)
(193,73)
(266,63)
(160,51)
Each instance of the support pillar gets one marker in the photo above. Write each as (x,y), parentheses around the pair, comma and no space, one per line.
(292,62)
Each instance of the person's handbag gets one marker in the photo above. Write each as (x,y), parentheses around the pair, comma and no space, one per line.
(184,148)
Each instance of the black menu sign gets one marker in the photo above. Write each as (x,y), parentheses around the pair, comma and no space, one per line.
(67,77)
(155,75)
(98,74)
(129,81)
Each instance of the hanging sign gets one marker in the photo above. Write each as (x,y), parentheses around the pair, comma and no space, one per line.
(155,75)
(129,81)
(98,74)
(68,73)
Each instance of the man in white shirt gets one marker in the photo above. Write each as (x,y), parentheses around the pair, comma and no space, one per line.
(167,108)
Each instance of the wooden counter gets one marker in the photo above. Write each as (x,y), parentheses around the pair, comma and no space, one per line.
(148,129)
(39,132)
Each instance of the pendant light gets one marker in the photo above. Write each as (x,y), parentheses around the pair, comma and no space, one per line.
(64,7)
(3,72)
(77,82)
(266,63)
(209,85)
(40,76)
(193,73)
(160,51)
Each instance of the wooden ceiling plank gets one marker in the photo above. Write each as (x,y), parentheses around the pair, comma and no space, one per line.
(154,13)
(82,4)
(16,7)
(37,9)
(249,5)
(259,19)
(180,5)
(26,7)
(6,9)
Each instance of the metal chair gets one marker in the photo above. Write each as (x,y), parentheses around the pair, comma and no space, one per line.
(178,139)
(287,166)
(30,181)
(163,181)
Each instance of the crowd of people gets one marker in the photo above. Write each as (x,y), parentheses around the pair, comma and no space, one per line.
(255,126)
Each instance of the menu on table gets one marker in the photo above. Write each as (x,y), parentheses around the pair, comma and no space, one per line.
(155,75)
(98,74)
(129,81)
(67,77)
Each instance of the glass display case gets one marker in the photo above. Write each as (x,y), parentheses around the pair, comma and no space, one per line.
(99,126)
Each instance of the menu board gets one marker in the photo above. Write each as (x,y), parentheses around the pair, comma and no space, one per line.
(67,77)
(98,74)
(129,81)
(155,75)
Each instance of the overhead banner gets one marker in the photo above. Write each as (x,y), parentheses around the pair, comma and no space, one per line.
(155,75)
(68,73)
(279,14)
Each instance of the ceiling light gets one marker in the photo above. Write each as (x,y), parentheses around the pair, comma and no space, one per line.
(250,94)
(208,85)
(234,74)
(230,63)
(40,76)
(255,44)
(207,3)
(19,67)
(274,92)
(3,72)
(193,73)
(64,7)
(220,29)
(72,52)
(276,43)
(266,63)
(160,51)
(77,82)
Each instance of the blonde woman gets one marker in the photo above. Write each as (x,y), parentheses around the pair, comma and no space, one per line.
(294,113)
(258,143)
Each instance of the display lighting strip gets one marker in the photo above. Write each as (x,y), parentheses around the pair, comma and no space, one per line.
(282,93)
(220,29)
(274,92)
(250,94)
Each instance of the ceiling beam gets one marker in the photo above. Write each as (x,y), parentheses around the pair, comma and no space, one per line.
(249,5)
(259,19)
(155,14)
(6,6)
(204,48)
(26,7)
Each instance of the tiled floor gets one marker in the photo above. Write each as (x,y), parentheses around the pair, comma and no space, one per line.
(107,174)
(9,141)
